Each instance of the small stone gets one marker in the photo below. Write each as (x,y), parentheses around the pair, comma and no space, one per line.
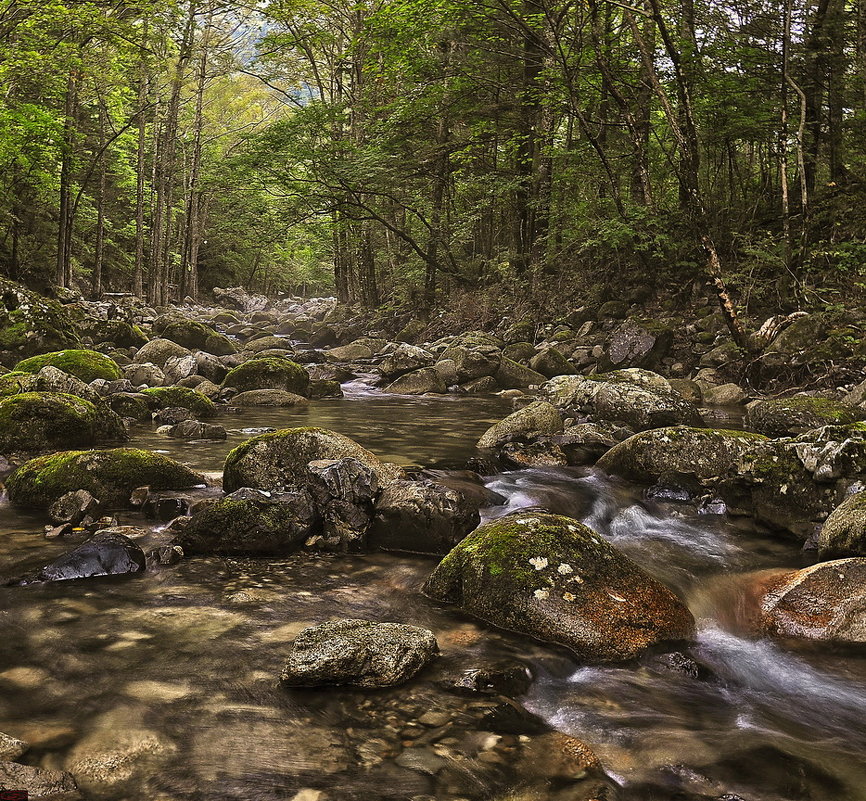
(433,719)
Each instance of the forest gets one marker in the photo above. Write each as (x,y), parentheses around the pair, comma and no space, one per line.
(408,152)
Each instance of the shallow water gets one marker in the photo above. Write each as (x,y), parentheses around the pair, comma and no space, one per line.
(186,658)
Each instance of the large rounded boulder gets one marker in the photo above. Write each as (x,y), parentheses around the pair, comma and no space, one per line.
(537,419)
(824,602)
(556,580)
(270,372)
(194,335)
(86,365)
(40,421)
(183,398)
(280,459)
(110,475)
(31,324)
(159,351)
(786,417)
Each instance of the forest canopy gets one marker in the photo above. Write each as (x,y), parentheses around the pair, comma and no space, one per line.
(399,151)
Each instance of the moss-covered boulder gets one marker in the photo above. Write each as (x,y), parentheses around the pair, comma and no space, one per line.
(268,373)
(641,399)
(511,375)
(268,343)
(472,362)
(825,602)
(48,379)
(418,382)
(279,459)
(120,332)
(269,397)
(638,343)
(196,336)
(556,580)
(183,397)
(550,362)
(844,531)
(537,419)
(31,324)
(87,365)
(251,523)
(38,421)
(785,417)
(110,475)
(130,404)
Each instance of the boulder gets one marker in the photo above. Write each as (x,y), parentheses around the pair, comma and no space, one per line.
(537,419)
(321,388)
(86,365)
(641,399)
(11,747)
(118,332)
(144,375)
(130,404)
(724,395)
(193,429)
(404,359)
(361,653)
(173,397)
(844,531)
(554,579)
(825,602)
(31,324)
(238,298)
(550,362)
(418,382)
(251,522)
(857,396)
(268,373)
(638,344)
(159,351)
(411,332)
(48,379)
(521,352)
(110,475)
(73,507)
(281,459)
(421,517)
(269,397)
(512,375)
(40,421)
(268,343)
(474,362)
(210,366)
(344,490)
(104,554)
(349,353)
(195,335)
(172,415)
(784,417)
(177,368)
(481,385)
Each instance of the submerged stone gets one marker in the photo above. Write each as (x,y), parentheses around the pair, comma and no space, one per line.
(358,652)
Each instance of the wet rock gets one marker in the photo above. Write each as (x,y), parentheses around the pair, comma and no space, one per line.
(166,555)
(104,554)
(782,417)
(320,389)
(512,375)
(73,507)
(558,757)
(268,373)
(146,374)
(110,475)
(159,351)
(537,419)
(844,531)
(193,429)
(32,324)
(39,784)
(421,517)
(509,717)
(130,404)
(638,344)
(418,382)
(85,365)
(251,522)
(510,679)
(447,368)
(172,415)
(269,397)
(556,580)
(344,490)
(690,390)
(40,421)
(177,368)
(11,747)
(543,453)
(480,385)
(404,359)
(584,443)
(358,652)
(280,459)
(824,602)
(181,397)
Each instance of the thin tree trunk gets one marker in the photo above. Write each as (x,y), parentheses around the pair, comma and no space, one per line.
(140,166)
(99,246)
(64,222)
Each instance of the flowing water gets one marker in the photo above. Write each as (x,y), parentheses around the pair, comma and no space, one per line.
(178,668)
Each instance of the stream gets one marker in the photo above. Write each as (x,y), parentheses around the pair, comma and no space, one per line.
(185,660)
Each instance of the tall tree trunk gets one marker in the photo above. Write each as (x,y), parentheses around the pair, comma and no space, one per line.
(140,167)
(64,221)
(99,246)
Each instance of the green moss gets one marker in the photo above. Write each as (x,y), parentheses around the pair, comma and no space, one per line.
(88,365)
(781,417)
(30,323)
(109,475)
(38,421)
(15,382)
(271,372)
(170,397)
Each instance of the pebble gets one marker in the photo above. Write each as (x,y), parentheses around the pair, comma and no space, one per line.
(434,719)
